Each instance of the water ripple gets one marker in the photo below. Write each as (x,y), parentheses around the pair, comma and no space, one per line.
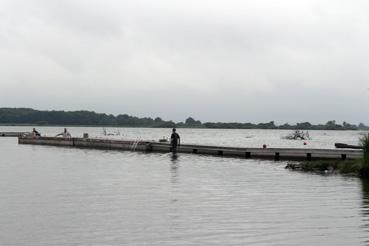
(65,196)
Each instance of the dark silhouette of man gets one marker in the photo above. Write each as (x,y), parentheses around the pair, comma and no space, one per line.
(35,133)
(175,140)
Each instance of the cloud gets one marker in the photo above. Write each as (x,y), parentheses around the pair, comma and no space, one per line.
(215,60)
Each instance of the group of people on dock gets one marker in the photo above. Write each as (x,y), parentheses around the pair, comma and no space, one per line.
(175,139)
(64,134)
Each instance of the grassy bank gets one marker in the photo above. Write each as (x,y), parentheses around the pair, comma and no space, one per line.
(365,162)
(349,167)
(358,167)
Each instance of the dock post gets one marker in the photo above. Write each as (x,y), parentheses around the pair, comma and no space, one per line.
(343,157)
(149,147)
(308,156)
(248,155)
(276,157)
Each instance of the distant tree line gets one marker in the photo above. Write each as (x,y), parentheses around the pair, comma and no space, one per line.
(27,116)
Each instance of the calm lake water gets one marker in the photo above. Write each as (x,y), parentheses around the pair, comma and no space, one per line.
(66,196)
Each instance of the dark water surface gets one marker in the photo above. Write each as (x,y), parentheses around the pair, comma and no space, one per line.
(65,196)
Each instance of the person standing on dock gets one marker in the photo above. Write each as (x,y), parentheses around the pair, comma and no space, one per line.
(35,133)
(175,140)
(64,134)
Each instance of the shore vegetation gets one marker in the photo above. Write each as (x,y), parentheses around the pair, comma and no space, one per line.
(28,116)
(358,167)
(365,162)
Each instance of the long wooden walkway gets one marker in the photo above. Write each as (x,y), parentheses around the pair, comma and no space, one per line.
(149,146)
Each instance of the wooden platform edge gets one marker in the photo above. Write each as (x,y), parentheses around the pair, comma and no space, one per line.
(150,146)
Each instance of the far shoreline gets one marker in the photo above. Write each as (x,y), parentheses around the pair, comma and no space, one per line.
(179,127)
(84,118)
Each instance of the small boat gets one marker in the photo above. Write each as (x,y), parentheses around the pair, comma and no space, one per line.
(163,140)
(346,146)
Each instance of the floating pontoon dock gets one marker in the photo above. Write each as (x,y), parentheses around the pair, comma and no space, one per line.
(12,134)
(150,146)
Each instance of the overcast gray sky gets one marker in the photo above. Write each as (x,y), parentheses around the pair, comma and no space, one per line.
(215,60)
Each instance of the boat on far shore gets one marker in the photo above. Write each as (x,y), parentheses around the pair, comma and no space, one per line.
(346,146)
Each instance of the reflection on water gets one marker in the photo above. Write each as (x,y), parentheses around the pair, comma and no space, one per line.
(174,166)
(365,185)
(365,208)
(174,157)
(66,196)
